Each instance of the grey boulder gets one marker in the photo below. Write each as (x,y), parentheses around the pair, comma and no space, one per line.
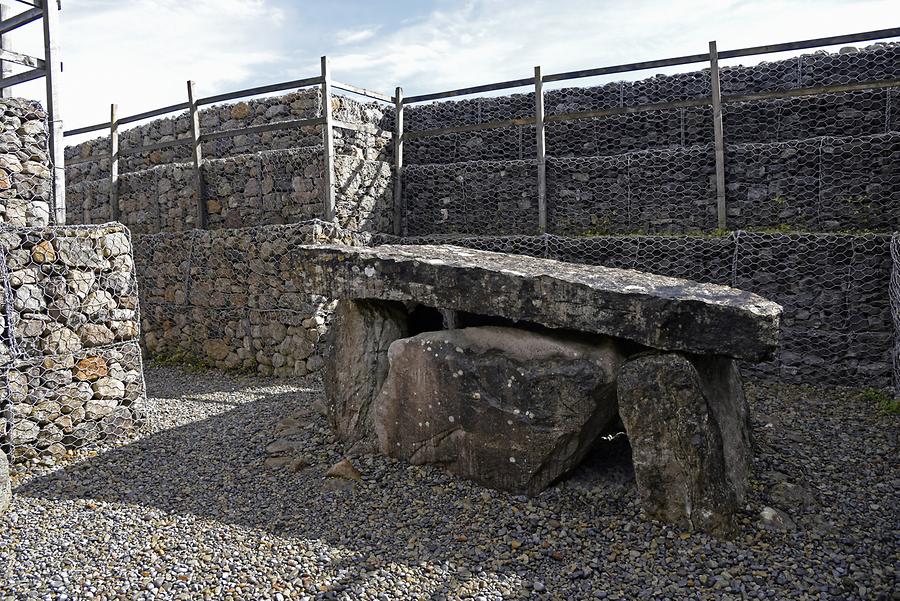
(508,408)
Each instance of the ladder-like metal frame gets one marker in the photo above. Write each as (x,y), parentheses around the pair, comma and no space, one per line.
(49,67)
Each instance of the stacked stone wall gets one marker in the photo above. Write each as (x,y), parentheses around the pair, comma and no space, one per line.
(70,357)
(25,177)
(230,298)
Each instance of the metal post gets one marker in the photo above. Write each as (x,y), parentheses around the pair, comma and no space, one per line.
(541,152)
(719,135)
(197,156)
(5,69)
(327,141)
(114,161)
(398,161)
(56,145)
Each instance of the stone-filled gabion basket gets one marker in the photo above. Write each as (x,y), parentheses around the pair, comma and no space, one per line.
(70,359)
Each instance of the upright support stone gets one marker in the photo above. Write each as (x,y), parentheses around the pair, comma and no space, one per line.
(5,66)
(688,424)
(398,161)
(541,151)
(328,141)
(197,154)
(113,162)
(362,331)
(718,134)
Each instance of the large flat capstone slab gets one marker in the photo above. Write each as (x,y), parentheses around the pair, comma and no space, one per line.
(653,310)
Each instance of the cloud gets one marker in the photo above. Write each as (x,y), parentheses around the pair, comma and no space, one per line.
(140,53)
(345,37)
(479,41)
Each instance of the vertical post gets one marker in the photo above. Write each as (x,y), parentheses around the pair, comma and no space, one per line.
(718,134)
(56,145)
(398,161)
(327,141)
(5,69)
(541,152)
(114,161)
(197,155)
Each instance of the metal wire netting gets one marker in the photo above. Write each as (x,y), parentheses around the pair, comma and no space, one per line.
(894,293)
(837,326)
(70,357)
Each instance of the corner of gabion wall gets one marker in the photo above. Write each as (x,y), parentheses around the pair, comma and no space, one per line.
(24,165)
(70,359)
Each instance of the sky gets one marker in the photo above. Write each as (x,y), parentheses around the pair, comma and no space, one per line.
(140,53)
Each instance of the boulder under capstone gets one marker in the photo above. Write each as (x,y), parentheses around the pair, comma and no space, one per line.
(506,407)
(689,427)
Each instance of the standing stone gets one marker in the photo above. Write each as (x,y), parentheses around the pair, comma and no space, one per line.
(688,424)
(362,332)
(509,408)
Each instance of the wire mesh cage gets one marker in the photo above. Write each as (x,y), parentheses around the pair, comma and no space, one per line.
(71,361)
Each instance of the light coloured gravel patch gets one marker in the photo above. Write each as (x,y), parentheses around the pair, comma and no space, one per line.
(191,511)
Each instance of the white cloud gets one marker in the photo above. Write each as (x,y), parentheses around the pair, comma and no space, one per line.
(480,41)
(346,37)
(140,53)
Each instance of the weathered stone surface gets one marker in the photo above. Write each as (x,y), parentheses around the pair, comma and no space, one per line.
(688,424)
(661,312)
(5,488)
(506,407)
(362,331)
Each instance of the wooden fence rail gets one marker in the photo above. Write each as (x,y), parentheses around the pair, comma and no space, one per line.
(324,80)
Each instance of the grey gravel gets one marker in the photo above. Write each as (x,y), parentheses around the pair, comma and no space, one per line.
(192,511)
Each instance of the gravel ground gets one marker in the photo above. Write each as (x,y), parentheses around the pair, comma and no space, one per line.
(193,511)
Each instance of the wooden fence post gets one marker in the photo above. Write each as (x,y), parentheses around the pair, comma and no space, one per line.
(719,135)
(327,141)
(114,162)
(5,66)
(56,144)
(398,161)
(541,152)
(197,154)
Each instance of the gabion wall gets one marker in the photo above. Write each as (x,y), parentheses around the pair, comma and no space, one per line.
(70,356)
(230,298)
(821,184)
(25,177)
(837,326)
(846,114)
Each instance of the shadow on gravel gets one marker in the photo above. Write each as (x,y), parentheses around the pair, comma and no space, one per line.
(215,468)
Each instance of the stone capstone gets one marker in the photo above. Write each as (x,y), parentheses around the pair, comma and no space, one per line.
(688,424)
(656,311)
(506,407)
(362,331)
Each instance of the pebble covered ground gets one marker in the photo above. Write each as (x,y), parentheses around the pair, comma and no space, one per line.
(198,509)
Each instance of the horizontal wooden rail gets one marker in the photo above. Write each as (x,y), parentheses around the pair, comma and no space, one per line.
(362,91)
(155,146)
(181,106)
(865,36)
(81,161)
(661,106)
(664,62)
(441,131)
(275,87)
(490,87)
(24,18)
(258,129)
(14,80)
(21,59)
